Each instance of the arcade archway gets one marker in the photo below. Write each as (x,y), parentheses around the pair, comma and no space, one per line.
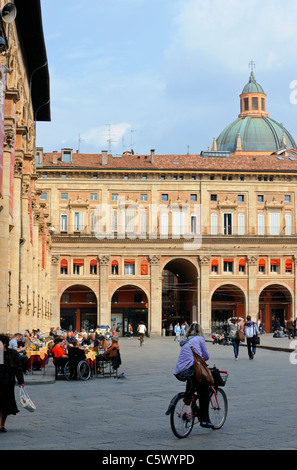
(78,308)
(227,301)
(275,306)
(129,305)
(179,292)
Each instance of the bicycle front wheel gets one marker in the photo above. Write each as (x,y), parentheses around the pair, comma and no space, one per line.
(181,418)
(217,407)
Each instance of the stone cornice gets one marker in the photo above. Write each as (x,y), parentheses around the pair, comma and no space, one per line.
(236,242)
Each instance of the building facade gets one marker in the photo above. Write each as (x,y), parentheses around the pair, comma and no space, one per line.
(168,238)
(25,239)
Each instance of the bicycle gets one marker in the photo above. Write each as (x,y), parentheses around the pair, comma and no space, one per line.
(183,408)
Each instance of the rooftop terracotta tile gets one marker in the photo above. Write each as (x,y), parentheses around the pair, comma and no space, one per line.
(252,162)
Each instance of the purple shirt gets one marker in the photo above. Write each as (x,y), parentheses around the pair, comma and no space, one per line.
(186,357)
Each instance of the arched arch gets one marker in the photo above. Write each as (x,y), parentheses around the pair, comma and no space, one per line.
(227,300)
(129,305)
(78,307)
(179,291)
(275,305)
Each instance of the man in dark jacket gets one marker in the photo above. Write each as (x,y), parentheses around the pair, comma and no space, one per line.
(76,355)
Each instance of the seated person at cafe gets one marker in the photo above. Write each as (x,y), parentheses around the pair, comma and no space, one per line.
(69,338)
(110,351)
(76,355)
(59,354)
(16,344)
(91,341)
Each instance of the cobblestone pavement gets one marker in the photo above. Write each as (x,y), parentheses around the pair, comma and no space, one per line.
(129,413)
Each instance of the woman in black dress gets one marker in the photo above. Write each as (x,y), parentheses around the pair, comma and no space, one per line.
(10,369)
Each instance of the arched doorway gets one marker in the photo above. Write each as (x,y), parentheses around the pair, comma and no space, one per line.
(275,306)
(227,301)
(78,308)
(179,292)
(129,305)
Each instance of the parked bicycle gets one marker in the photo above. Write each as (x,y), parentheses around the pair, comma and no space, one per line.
(184,407)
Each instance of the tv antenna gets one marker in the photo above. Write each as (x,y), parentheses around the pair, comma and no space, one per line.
(79,141)
(132,131)
(109,140)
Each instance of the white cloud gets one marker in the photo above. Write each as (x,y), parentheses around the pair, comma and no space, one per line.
(233,32)
(99,136)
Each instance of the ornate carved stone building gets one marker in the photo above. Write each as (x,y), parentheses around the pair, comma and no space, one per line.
(167,238)
(25,240)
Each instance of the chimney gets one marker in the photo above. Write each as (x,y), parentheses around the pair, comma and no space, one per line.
(152,156)
(55,157)
(104,157)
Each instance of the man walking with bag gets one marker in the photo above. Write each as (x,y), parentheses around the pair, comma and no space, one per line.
(251,333)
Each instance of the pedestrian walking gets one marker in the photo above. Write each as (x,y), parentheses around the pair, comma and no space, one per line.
(235,324)
(251,332)
(177,331)
(10,369)
(290,328)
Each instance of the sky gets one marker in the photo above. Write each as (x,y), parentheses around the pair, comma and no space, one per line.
(163,74)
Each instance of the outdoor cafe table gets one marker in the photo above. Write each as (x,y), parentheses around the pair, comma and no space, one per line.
(40,357)
(91,358)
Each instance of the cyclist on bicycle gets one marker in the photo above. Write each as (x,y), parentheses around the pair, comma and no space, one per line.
(184,368)
(141,331)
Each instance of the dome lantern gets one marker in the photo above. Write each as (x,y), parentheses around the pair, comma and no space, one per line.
(252,99)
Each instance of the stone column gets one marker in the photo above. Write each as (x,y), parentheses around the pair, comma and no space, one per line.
(4,227)
(55,306)
(104,301)
(205,301)
(14,256)
(155,301)
(252,301)
(294,300)
(24,279)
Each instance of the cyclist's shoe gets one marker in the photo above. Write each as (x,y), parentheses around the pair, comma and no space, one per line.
(206,424)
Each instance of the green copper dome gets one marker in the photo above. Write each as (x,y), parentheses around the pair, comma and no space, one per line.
(252,86)
(257,133)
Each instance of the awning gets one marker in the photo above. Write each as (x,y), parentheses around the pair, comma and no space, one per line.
(262,262)
(242,262)
(228,260)
(93,262)
(289,265)
(129,261)
(275,262)
(78,262)
(64,263)
(215,262)
(144,268)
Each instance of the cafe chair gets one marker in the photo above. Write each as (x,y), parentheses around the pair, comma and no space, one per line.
(111,367)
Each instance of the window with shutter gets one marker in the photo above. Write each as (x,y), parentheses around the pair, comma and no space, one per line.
(241,224)
(261,224)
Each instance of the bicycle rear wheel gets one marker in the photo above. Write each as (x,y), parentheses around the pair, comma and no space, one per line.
(181,418)
(217,408)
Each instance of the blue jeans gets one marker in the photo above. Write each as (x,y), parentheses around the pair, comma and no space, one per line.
(235,343)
